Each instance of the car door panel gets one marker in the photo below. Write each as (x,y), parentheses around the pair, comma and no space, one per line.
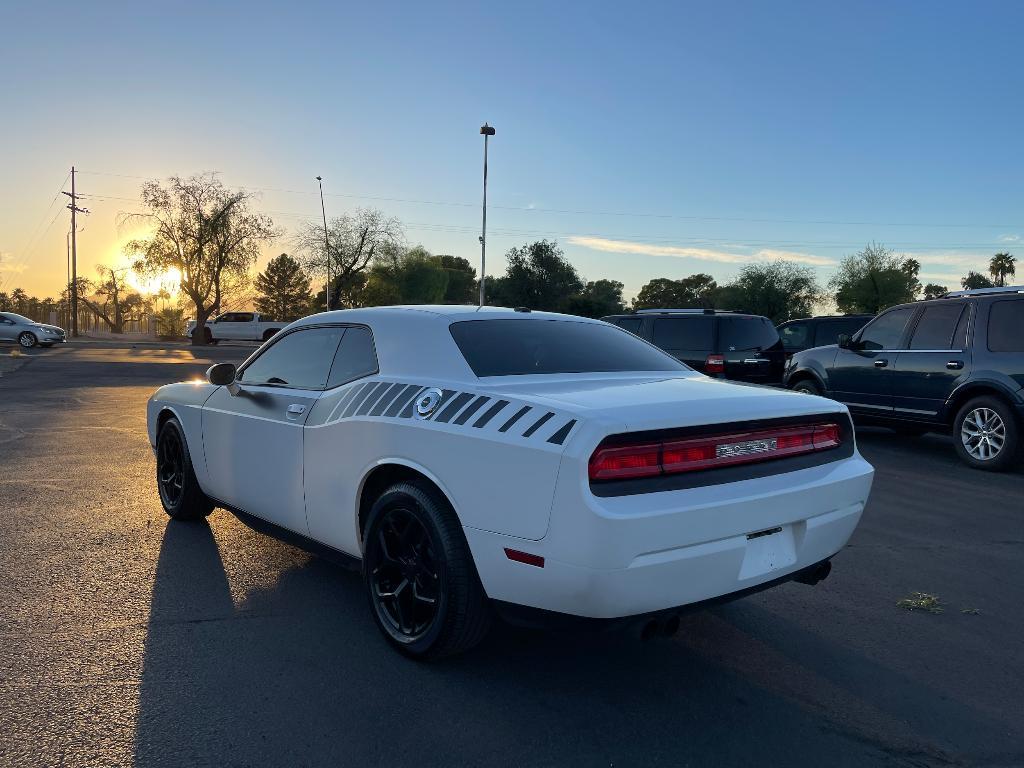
(937,361)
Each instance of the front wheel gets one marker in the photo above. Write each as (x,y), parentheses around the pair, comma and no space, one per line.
(423,588)
(180,494)
(27,340)
(807,386)
(986,434)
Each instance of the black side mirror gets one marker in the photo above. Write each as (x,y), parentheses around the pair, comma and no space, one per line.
(844,341)
(221,374)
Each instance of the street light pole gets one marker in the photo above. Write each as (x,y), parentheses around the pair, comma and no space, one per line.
(327,244)
(486,131)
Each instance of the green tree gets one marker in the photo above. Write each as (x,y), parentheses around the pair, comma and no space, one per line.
(282,290)
(874,279)
(597,299)
(6,305)
(406,277)
(538,276)
(779,290)
(973,280)
(204,231)
(695,291)
(934,291)
(462,286)
(1001,266)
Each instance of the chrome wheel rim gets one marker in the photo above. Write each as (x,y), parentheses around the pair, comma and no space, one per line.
(983,434)
(170,468)
(405,576)
(26,340)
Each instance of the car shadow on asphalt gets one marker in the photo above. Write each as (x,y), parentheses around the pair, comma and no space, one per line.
(296,673)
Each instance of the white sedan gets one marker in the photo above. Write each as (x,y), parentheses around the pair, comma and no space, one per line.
(535,465)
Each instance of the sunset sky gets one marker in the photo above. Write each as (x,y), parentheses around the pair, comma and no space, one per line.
(652,140)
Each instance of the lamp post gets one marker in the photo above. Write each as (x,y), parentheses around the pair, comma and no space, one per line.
(486,131)
(327,244)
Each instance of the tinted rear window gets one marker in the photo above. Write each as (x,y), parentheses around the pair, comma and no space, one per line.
(935,328)
(794,335)
(524,347)
(685,334)
(1006,326)
(744,333)
(631,324)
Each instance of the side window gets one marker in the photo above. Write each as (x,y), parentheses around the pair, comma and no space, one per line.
(356,357)
(828,331)
(794,335)
(1005,325)
(737,334)
(244,317)
(960,335)
(301,359)
(936,326)
(886,331)
(692,334)
(631,324)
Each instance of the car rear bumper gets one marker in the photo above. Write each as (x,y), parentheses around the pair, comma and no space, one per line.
(635,555)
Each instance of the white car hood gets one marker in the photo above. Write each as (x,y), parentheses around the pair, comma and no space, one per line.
(657,402)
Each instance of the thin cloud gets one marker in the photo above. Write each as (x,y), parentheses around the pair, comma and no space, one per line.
(704,254)
(942,278)
(7,263)
(1009,238)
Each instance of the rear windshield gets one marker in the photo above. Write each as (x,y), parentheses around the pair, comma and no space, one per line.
(746,333)
(685,334)
(524,347)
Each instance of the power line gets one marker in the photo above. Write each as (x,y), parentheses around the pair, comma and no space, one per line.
(25,250)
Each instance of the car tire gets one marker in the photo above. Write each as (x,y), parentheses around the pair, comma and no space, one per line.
(180,494)
(986,434)
(808,387)
(27,339)
(424,592)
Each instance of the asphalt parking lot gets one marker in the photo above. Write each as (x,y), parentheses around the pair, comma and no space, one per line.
(129,640)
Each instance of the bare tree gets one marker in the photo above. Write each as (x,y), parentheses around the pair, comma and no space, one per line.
(353,242)
(203,230)
(113,300)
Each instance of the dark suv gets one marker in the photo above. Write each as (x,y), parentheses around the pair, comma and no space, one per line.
(955,363)
(722,344)
(810,332)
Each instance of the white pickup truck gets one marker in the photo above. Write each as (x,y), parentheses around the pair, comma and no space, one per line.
(237,326)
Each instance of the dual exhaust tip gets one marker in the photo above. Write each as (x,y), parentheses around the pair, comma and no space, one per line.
(667,625)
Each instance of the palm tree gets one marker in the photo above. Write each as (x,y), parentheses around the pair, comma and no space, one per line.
(1001,265)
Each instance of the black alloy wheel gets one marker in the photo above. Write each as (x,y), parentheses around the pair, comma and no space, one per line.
(180,494)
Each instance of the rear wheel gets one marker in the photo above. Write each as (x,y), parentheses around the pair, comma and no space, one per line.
(807,386)
(986,434)
(180,494)
(27,339)
(424,592)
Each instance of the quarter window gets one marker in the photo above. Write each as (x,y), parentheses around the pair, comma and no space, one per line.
(355,358)
(886,331)
(299,359)
(1006,326)
(935,328)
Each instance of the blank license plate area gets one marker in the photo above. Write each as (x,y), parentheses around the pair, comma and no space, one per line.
(768,551)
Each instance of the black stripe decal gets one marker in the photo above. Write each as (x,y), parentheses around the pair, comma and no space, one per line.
(372,398)
(401,400)
(538,424)
(346,398)
(559,437)
(407,410)
(518,415)
(472,408)
(363,392)
(453,407)
(386,399)
(490,413)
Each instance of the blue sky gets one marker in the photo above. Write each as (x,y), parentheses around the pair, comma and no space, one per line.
(652,140)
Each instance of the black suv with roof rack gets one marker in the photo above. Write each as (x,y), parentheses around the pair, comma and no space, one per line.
(727,345)
(950,364)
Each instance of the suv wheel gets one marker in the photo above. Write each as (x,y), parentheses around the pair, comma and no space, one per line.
(986,434)
(807,386)
(424,591)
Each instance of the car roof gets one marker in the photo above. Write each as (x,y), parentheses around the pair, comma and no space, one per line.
(676,313)
(857,316)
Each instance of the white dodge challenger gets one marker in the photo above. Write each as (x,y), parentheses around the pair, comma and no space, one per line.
(536,465)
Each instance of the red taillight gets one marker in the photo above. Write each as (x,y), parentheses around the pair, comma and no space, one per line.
(714,364)
(669,457)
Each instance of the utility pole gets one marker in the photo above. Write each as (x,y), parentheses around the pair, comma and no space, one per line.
(327,244)
(73,206)
(487,131)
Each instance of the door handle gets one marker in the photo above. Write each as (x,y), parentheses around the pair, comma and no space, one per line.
(295,410)
(955,365)
(881,363)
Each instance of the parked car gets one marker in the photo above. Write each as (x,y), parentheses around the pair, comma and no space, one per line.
(955,363)
(237,326)
(29,333)
(537,464)
(810,332)
(726,345)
